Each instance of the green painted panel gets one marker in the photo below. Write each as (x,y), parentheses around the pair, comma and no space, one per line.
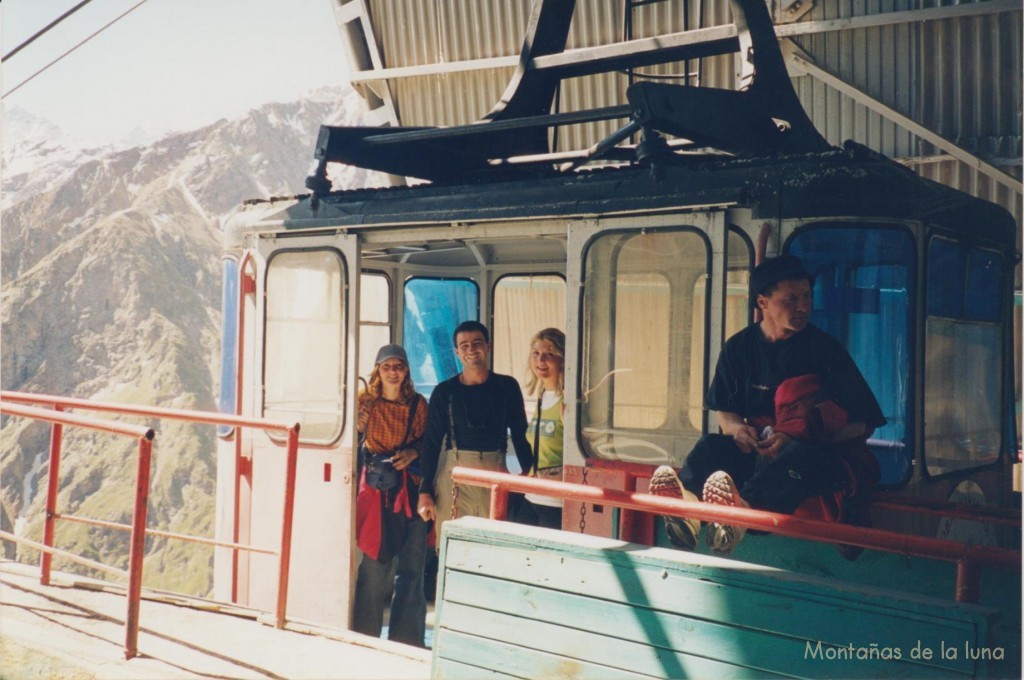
(618,654)
(453,670)
(515,661)
(667,608)
(738,594)
(648,641)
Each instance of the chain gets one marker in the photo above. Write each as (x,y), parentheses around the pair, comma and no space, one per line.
(583,504)
(455,500)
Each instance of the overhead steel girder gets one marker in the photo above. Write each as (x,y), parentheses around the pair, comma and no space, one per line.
(682,45)
(530,92)
(435,153)
(766,117)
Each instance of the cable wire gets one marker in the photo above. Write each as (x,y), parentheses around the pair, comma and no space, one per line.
(87,39)
(46,28)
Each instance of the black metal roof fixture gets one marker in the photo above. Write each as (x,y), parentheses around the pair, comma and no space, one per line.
(511,142)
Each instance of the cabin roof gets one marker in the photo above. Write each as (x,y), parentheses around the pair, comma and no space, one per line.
(848,182)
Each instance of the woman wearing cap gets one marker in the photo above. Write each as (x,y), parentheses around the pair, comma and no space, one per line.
(392,417)
(547,379)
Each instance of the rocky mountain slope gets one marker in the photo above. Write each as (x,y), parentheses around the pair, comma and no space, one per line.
(110,273)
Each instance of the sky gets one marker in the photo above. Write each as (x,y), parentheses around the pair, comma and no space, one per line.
(167,65)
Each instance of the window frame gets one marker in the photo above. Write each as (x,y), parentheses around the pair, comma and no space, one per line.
(362,323)
(583,336)
(493,293)
(915,357)
(229,320)
(342,349)
(930,235)
(405,330)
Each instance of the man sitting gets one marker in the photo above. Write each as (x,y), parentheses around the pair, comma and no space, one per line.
(755,463)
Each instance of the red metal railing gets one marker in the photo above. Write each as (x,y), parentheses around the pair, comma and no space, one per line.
(968,558)
(879,499)
(138,526)
(9,404)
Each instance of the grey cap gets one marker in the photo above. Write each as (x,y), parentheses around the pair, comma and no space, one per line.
(391,352)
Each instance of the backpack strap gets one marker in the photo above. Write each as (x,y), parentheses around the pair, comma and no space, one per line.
(408,425)
(452,444)
(535,453)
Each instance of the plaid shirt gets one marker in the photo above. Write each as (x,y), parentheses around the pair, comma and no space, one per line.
(384,422)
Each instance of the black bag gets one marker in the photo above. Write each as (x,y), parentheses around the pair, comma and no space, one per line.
(380,473)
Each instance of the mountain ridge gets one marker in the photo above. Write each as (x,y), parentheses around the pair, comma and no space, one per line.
(111,286)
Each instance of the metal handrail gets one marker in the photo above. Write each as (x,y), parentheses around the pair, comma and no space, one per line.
(118,526)
(879,499)
(144,435)
(11,402)
(203,417)
(967,557)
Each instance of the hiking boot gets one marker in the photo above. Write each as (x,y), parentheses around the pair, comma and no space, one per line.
(681,531)
(719,489)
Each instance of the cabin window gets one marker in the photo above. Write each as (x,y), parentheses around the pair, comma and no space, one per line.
(739,262)
(305,342)
(863,293)
(737,284)
(644,308)
(228,342)
(522,306)
(963,354)
(433,308)
(374,318)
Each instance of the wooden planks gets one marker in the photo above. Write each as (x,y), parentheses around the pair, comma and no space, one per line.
(529,602)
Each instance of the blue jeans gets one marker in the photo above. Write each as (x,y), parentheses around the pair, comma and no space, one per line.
(374,585)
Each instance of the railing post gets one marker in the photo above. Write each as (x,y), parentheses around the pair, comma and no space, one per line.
(286,524)
(138,547)
(499,502)
(236,529)
(52,486)
(968,581)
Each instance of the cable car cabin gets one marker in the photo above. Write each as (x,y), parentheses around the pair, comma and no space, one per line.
(645,263)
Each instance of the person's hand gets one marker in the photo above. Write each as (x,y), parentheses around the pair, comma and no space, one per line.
(746,438)
(402,459)
(427,510)
(771,446)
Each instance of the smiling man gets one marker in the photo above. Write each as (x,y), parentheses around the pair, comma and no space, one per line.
(795,414)
(469,421)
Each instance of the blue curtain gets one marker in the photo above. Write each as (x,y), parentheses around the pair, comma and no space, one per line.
(433,308)
(863,296)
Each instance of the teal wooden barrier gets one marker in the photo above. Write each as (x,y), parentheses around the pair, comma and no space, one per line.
(516,601)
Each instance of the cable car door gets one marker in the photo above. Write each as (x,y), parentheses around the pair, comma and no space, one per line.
(306,372)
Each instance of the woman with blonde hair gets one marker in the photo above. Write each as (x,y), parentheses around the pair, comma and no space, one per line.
(389,532)
(546,382)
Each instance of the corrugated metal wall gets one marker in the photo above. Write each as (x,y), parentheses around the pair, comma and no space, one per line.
(970,92)
(960,77)
(881,62)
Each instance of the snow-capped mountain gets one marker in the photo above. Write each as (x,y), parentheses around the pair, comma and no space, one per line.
(37,155)
(111,285)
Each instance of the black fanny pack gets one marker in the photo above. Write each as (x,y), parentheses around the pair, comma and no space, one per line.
(380,473)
